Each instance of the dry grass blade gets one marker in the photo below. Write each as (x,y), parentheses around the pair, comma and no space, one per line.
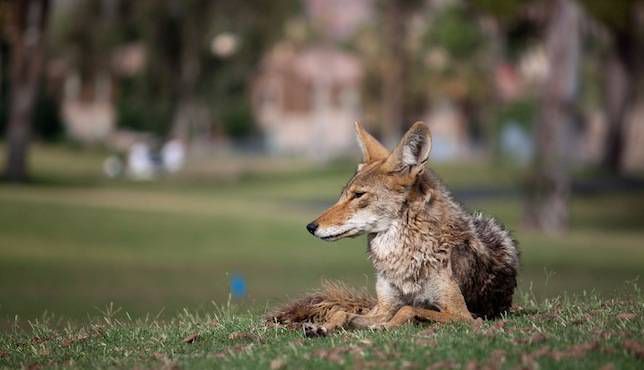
(191,338)
(626,316)
(240,335)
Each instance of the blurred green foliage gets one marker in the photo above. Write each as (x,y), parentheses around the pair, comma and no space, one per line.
(520,112)
(505,10)
(47,124)
(616,14)
(180,64)
(454,30)
(238,119)
(139,110)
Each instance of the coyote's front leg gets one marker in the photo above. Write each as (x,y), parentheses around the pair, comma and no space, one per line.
(453,308)
(409,313)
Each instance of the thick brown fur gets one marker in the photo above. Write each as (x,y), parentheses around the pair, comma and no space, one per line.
(317,307)
(487,286)
(433,259)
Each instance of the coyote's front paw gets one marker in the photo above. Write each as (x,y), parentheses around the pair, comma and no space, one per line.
(314,330)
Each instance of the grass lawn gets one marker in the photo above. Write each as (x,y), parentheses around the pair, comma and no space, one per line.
(584,332)
(72,242)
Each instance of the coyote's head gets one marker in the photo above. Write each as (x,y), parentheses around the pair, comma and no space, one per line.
(384,182)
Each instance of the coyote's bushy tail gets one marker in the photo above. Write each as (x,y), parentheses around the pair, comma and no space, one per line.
(317,307)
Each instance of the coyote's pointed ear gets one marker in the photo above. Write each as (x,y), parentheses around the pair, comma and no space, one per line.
(412,153)
(371,148)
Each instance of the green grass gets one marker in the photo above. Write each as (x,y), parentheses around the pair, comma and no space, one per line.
(72,242)
(582,332)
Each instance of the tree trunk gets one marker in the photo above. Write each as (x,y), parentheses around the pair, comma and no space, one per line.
(393,79)
(186,116)
(26,30)
(617,97)
(547,203)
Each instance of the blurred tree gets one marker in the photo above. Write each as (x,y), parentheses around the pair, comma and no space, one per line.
(395,18)
(512,29)
(548,187)
(201,56)
(179,36)
(86,36)
(546,207)
(547,203)
(25,27)
(191,24)
(90,34)
(623,20)
(419,52)
(4,74)
(459,54)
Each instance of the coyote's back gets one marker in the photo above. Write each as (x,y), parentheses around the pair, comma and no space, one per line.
(487,280)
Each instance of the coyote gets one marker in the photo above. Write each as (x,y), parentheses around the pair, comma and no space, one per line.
(433,260)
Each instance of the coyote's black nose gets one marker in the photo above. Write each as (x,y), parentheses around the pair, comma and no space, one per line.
(312,227)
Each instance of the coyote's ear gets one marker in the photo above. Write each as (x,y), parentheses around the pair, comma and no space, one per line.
(371,148)
(412,153)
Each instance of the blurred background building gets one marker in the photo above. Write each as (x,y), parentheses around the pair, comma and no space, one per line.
(304,99)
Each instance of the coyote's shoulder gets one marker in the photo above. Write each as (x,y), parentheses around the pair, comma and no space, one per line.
(433,259)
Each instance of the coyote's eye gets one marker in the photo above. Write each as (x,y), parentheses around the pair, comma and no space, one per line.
(358,194)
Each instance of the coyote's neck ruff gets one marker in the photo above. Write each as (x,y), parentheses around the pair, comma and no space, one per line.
(433,260)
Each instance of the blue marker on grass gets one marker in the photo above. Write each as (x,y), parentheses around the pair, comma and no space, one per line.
(237,286)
